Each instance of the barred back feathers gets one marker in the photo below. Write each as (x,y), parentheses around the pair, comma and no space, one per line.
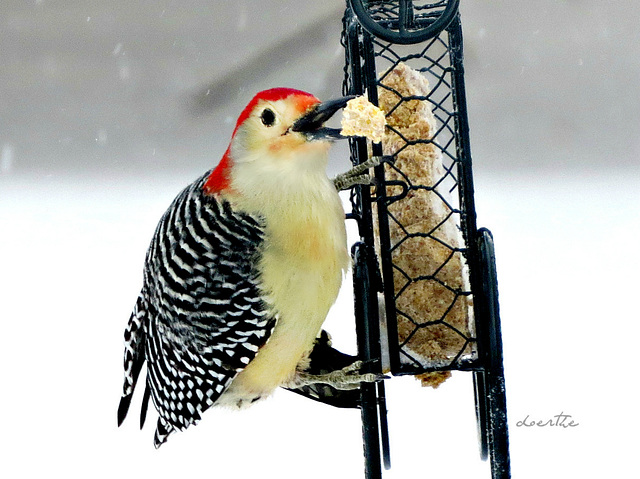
(200,318)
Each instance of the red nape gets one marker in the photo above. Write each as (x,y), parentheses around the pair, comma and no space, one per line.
(220,177)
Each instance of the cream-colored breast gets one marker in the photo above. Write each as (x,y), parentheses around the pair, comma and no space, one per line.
(302,268)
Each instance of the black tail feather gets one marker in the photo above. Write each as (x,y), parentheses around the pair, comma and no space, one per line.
(125,402)
(145,404)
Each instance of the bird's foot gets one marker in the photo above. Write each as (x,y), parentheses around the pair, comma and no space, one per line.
(346,378)
(358,174)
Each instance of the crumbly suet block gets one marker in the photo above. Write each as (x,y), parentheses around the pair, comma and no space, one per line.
(433,379)
(424,233)
(362,118)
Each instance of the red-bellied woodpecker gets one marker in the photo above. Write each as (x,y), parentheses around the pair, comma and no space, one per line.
(242,269)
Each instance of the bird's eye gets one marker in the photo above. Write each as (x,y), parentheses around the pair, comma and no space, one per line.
(268,117)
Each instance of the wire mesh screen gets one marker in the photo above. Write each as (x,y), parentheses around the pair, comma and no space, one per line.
(420,226)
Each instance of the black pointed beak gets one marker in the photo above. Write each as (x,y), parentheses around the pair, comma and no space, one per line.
(311,124)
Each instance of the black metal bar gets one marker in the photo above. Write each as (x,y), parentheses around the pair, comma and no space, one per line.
(495,385)
(482,408)
(362,287)
(368,79)
(405,16)
(384,426)
(465,175)
(370,433)
(357,87)
(369,351)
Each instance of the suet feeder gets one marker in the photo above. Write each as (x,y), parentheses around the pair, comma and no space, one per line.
(426,298)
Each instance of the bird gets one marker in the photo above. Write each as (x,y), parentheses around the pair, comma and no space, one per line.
(242,270)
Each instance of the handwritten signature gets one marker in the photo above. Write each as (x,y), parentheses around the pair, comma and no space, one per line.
(559,420)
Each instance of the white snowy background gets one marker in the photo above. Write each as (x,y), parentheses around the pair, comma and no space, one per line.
(107,109)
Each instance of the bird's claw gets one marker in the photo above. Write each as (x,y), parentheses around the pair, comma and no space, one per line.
(358,174)
(346,378)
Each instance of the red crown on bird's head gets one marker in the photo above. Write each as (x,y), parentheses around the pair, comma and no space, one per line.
(219,179)
(303,99)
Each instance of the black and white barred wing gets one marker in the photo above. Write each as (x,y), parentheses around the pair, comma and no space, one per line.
(205,317)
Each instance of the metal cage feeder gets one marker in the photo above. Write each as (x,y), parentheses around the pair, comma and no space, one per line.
(436,276)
